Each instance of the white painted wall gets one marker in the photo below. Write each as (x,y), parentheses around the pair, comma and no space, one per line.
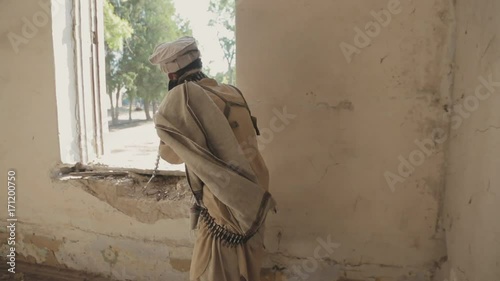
(63,43)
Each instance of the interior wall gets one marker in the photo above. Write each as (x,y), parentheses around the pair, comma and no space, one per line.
(63,44)
(343,136)
(67,224)
(473,181)
(351,122)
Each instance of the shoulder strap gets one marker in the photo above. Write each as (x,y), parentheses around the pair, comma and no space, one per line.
(195,187)
(227,104)
(254,119)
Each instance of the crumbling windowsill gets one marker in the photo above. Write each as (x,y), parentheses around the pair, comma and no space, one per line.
(166,196)
(80,170)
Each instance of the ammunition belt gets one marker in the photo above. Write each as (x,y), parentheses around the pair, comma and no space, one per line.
(219,232)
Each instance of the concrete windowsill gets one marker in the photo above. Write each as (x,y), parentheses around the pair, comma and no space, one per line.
(167,196)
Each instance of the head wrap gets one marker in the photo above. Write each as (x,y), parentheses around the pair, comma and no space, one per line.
(173,56)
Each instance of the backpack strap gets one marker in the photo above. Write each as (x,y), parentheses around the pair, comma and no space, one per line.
(196,187)
(254,119)
(228,104)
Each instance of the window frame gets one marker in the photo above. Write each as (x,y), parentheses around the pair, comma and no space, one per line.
(88,27)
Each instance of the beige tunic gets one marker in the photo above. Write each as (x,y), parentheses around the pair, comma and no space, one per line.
(211,260)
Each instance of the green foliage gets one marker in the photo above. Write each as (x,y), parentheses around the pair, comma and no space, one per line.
(116,29)
(224,21)
(153,22)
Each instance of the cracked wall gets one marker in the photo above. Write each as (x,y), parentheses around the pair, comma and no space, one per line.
(343,123)
(95,225)
(473,179)
(165,197)
(357,114)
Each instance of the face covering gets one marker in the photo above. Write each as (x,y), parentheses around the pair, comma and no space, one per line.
(172,84)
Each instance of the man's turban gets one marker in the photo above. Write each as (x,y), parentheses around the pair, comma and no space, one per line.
(172,56)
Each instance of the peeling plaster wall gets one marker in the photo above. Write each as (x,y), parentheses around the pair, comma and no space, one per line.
(473,179)
(332,132)
(347,125)
(62,223)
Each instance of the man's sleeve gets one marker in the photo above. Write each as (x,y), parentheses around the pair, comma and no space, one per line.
(168,154)
(165,151)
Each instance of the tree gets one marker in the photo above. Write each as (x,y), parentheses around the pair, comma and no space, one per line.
(153,22)
(224,11)
(116,30)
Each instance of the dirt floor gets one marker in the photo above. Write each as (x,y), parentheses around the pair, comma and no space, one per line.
(133,144)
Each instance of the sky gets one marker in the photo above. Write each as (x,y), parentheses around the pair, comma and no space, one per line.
(196,11)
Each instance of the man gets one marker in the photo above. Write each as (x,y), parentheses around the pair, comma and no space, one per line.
(209,127)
